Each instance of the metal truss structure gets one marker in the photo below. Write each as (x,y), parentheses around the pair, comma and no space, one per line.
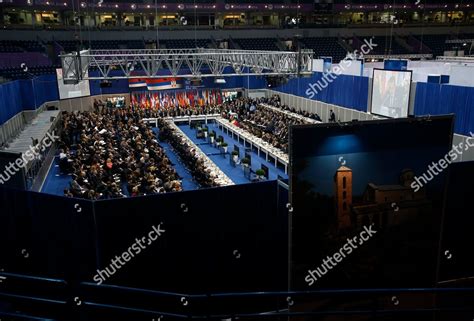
(401,56)
(183,63)
(465,59)
(460,41)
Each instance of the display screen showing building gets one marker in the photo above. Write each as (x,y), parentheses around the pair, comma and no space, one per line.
(354,177)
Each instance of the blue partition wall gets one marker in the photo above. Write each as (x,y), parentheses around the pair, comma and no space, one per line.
(26,94)
(45,88)
(121,85)
(346,91)
(10,100)
(29,94)
(352,92)
(232,238)
(438,99)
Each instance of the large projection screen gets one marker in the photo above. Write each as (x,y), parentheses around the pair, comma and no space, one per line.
(390,93)
(82,89)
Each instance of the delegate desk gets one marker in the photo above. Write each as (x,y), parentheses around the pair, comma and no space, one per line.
(205,118)
(261,145)
(220,177)
(291,114)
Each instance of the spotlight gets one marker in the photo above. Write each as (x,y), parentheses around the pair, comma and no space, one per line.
(276,81)
(105,84)
(196,81)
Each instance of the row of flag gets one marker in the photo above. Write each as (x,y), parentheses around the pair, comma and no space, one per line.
(172,99)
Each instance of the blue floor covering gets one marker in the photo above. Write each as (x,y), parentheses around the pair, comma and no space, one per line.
(188,183)
(56,182)
(236,174)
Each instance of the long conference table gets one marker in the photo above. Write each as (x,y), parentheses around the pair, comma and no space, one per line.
(279,157)
(220,177)
(291,114)
(262,146)
(188,119)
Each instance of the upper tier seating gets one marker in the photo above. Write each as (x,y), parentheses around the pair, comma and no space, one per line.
(18,73)
(186,43)
(438,45)
(71,45)
(387,46)
(325,46)
(33,53)
(257,43)
(19,46)
(31,59)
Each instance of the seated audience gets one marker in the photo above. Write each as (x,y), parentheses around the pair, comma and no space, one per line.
(114,153)
(188,155)
(264,123)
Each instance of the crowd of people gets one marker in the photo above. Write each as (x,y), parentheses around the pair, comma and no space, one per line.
(267,124)
(112,153)
(275,101)
(187,154)
(188,111)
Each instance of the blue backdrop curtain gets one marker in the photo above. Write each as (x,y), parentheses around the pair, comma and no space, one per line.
(26,94)
(346,91)
(45,89)
(436,99)
(121,85)
(10,100)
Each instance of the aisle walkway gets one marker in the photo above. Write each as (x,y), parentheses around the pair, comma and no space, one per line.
(55,182)
(188,183)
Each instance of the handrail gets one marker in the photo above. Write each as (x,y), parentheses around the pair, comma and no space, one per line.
(284,293)
(204,299)
(255,293)
(32,277)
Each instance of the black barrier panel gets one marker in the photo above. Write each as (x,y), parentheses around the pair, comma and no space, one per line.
(45,235)
(221,239)
(458,238)
(10,174)
(367,205)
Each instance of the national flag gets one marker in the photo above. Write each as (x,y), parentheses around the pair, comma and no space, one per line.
(136,82)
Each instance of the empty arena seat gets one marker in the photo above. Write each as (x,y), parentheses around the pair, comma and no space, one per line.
(438,45)
(325,46)
(186,43)
(31,59)
(258,43)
